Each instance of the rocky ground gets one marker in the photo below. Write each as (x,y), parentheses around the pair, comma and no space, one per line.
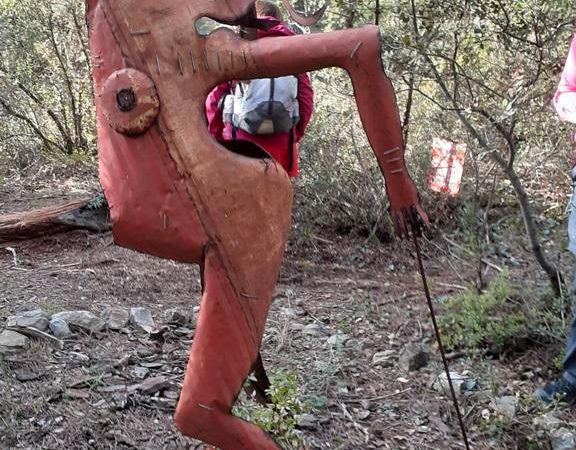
(349,318)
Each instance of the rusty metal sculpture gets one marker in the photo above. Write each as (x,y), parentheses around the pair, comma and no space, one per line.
(176,193)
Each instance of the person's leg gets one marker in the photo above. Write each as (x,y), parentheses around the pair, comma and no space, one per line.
(569,362)
(570,356)
(564,389)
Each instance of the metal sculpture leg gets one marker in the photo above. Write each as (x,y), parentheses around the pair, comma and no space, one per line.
(258,387)
(222,356)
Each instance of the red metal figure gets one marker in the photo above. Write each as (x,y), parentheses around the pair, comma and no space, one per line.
(176,193)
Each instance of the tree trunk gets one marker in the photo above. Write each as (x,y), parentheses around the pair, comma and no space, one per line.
(77,214)
(552,272)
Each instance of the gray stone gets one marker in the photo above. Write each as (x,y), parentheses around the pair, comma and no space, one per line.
(308,422)
(24,375)
(337,340)
(384,359)
(34,319)
(413,357)
(295,326)
(562,439)
(59,328)
(142,318)
(292,312)
(116,317)
(316,330)
(176,316)
(141,372)
(461,383)
(174,395)
(81,319)
(152,385)
(362,414)
(12,342)
(547,422)
(506,406)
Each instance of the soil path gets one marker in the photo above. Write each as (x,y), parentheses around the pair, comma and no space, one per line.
(339,303)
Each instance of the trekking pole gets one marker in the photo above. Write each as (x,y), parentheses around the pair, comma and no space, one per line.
(415,233)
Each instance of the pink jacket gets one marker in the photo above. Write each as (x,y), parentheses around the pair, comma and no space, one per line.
(565,96)
(276,145)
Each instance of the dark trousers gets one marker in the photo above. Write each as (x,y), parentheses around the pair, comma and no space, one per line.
(570,356)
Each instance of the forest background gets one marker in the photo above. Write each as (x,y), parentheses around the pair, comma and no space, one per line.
(480,73)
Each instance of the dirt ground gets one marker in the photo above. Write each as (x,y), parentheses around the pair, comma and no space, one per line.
(371,293)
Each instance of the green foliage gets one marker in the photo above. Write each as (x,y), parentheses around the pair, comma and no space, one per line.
(499,63)
(483,321)
(518,432)
(45,82)
(496,427)
(558,361)
(340,187)
(498,60)
(283,414)
(469,224)
(98,202)
(551,314)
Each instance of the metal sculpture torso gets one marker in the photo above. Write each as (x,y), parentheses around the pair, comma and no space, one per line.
(176,193)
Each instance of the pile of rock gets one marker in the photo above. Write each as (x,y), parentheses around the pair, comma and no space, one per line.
(560,434)
(19,328)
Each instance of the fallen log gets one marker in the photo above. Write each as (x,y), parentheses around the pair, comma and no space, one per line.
(87,214)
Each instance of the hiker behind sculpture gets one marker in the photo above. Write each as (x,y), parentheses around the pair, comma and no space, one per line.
(270,112)
(564,389)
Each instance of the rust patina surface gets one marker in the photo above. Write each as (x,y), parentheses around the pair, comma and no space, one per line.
(176,193)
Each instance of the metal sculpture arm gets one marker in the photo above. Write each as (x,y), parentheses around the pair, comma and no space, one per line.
(358,52)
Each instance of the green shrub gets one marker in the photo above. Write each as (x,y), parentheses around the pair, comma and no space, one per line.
(281,417)
(483,321)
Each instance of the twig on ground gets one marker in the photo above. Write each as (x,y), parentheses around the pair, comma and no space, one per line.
(14,256)
(321,239)
(464,249)
(456,272)
(455,355)
(63,266)
(455,286)
(35,333)
(381,397)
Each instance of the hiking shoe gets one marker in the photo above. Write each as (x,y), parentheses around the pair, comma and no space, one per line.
(560,391)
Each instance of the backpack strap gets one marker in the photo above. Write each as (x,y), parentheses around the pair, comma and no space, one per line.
(270,104)
(290,149)
(232,89)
